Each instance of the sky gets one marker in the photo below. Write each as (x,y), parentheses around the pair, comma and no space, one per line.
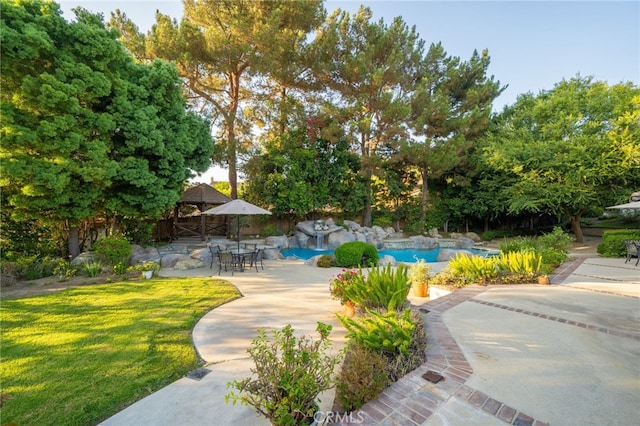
(532,44)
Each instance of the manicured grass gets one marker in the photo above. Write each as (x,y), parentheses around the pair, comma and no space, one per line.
(79,356)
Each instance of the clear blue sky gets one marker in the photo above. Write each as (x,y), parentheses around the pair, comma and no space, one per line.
(532,44)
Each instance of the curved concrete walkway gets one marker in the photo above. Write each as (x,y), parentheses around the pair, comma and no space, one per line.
(563,354)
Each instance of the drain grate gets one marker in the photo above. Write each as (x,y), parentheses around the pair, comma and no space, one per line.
(432,376)
(198,374)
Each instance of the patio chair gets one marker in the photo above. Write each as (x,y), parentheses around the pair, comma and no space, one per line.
(633,250)
(213,250)
(254,257)
(225,260)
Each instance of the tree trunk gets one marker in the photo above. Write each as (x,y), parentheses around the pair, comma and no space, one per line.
(577,230)
(366,217)
(74,242)
(425,196)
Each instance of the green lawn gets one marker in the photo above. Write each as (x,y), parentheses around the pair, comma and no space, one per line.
(79,356)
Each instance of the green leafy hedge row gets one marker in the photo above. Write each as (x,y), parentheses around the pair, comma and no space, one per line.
(613,241)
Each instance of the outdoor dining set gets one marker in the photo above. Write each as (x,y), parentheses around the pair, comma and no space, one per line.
(237,259)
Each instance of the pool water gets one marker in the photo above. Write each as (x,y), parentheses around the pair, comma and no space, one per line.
(401,255)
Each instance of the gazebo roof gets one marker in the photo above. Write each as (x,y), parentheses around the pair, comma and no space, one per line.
(204,194)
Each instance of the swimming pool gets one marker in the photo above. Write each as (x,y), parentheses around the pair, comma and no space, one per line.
(401,255)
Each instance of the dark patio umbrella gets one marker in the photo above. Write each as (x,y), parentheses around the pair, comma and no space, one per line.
(237,208)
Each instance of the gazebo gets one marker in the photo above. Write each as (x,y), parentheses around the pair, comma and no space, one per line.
(202,196)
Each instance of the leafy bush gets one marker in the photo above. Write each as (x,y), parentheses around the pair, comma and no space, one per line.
(518,244)
(390,333)
(65,270)
(291,372)
(522,262)
(383,222)
(356,254)
(497,233)
(92,268)
(382,288)
(32,267)
(325,261)
(474,268)
(338,286)
(113,249)
(400,364)
(613,242)
(552,256)
(556,239)
(363,376)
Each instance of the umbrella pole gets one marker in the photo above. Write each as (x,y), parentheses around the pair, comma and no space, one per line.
(238,217)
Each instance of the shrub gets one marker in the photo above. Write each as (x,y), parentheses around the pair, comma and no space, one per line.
(65,270)
(474,268)
(613,242)
(363,376)
(325,261)
(403,363)
(517,244)
(390,333)
(382,288)
(522,262)
(553,256)
(291,372)
(338,286)
(113,249)
(356,254)
(32,267)
(8,273)
(93,268)
(383,222)
(556,239)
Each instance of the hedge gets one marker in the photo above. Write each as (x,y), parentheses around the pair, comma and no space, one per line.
(613,242)
(356,254)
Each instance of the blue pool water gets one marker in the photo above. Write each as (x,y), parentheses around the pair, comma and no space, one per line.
(401,255)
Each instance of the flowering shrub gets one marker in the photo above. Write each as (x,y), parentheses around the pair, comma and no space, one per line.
(346,279)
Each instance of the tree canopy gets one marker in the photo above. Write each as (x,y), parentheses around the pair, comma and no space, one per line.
(87,131)
(568,150)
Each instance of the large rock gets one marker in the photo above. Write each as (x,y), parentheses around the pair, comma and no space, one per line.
(464,242)
(475,237)
(387,260)
(272,254)
(82,258)
(280,241)
(352,226)
(306,227)
(338,238)
(189,263)
(140,255)
(170,260)
(422,242)
(302,239)
(446,254)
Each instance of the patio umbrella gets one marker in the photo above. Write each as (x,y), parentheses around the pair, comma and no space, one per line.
(237,208)
(631,205)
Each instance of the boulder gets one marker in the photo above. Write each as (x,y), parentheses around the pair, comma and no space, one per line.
(272,254)
(280,241)
(464,242)
(306,227)
(475,237)
(352,226)
(82,258)
(170,260)
(446,254)
(189,263)
(422,242)
(387,260)
(302,239)
(339,237)
(433,233)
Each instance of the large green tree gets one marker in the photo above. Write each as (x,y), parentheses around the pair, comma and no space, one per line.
(370,70)
(301,172)
(86,131)
(451,109)
(222,48)
(570,150)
